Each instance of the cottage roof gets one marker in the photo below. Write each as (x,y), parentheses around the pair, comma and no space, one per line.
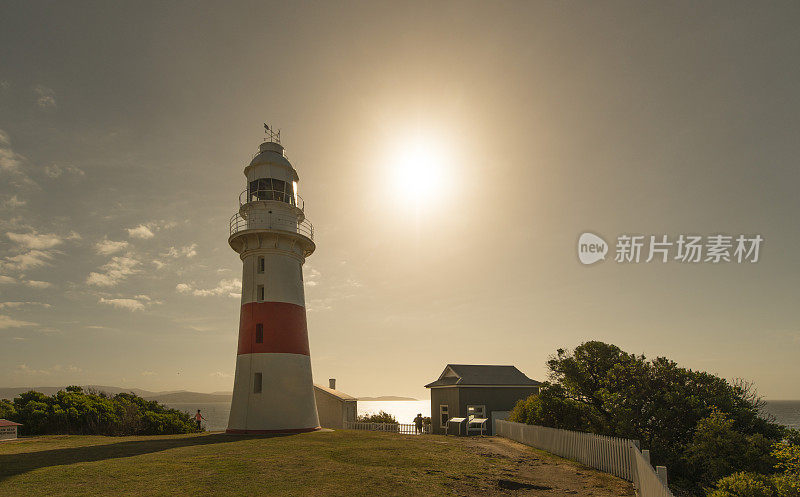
(481,375)
(336,393)
(5,422)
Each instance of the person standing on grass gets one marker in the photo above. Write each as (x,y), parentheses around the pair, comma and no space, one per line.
(418,423)
(197,418)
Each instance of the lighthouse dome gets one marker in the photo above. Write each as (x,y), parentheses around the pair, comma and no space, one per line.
(270,153)
(269,157)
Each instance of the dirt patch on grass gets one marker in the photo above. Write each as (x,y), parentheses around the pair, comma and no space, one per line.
(521,470)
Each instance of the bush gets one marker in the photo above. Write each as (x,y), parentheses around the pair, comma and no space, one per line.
(381,417)
(785,484)
(745,485)
(551,408)
(718,450)
(72,411)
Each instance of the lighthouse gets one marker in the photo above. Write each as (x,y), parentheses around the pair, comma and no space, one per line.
(273,390)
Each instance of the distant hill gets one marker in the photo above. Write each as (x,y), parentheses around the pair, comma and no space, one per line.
(191,398)
(10,393)
(171,396)
(385,398)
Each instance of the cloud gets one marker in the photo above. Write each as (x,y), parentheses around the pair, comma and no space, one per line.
(38,284)
(129,304)
(311,277)
(232,288)
(147,230)
(10,161)
(27,260)
(9,322)
(220,374)
(116,270)
(141,231)
(23,368)
(188,251)
(148,373)
(69,369)
(6,280)
(34,240)
(45,97)
(54,171)
(17,304)
(58,369)
(12,202)
(158,264)
(98,327)
(108,247)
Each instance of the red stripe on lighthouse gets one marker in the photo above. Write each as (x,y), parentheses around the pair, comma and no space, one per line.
(284,328)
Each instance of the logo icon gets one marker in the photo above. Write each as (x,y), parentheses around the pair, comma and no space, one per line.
(591,248)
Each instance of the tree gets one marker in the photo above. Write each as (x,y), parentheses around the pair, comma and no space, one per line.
(7,410)
(602,389)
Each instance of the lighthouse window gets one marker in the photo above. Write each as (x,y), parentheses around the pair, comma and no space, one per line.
(272,189)
(260,291)
(259,333)
(261,265)
(257,383)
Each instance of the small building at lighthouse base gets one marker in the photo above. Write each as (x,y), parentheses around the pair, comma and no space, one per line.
(334,407)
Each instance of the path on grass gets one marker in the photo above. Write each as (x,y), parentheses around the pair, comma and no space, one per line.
(522,471)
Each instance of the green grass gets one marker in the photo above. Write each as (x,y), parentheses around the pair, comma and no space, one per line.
(328,463)
(314,464)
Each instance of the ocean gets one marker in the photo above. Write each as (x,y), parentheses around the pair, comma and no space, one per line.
(786,412)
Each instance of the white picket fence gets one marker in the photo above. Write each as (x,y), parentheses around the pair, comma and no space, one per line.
(619,456)
(403,429)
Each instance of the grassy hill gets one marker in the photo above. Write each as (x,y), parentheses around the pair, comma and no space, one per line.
(346,463)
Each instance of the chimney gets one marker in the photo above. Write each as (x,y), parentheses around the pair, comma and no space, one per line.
(332,383)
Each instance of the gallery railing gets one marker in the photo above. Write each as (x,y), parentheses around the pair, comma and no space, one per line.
(256,220)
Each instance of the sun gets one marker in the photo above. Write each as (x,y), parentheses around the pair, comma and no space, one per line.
(420,169)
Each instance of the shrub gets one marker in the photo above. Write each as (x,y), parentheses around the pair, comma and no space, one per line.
(785,484)
(745,485)
(381,417)
(72,411)
(718,450)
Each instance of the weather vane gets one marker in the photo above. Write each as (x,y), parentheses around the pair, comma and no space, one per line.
(271,134)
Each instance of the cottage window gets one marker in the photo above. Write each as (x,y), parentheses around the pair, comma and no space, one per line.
(476,411)
(261,265)
(259,333)
(260,291)
(443,416)
(257,383)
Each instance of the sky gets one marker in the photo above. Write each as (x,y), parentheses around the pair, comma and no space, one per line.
(450,155)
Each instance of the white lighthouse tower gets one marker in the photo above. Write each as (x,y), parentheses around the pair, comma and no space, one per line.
(273,390)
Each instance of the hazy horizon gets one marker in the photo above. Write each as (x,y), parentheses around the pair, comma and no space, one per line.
(125,127)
